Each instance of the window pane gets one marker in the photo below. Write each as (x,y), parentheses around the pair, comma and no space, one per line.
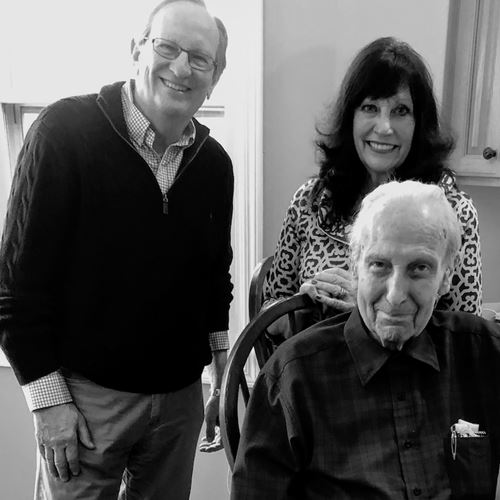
(28,117)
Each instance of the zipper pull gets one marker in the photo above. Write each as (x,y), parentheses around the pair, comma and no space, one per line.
(453,443)
(165,204)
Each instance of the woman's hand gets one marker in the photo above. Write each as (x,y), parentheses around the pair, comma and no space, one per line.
(332,287)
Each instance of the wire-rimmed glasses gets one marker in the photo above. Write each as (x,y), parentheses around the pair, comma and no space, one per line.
(171,50)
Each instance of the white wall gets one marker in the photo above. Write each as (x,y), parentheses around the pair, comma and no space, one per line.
(487,202)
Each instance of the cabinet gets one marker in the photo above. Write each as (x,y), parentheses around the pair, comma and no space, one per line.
(471,100)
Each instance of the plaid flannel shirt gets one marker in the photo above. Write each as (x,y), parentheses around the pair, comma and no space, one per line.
(335,415)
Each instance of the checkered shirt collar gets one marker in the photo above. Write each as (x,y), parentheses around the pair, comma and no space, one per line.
(139,127)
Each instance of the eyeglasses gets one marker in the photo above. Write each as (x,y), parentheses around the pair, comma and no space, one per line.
(170,50)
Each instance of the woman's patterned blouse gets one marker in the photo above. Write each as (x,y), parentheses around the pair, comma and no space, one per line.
(310,242)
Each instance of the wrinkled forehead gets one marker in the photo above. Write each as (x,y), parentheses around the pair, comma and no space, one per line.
(408,224)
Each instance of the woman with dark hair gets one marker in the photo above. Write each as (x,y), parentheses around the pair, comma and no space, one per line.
(384,125)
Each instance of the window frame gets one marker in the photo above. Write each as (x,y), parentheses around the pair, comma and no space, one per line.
(13,118)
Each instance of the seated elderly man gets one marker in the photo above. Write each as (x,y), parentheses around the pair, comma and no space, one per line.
(371,404)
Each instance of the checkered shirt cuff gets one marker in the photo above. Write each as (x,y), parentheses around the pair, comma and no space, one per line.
(50,390)
(219,341)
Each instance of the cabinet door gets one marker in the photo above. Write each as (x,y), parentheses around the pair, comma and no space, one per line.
(472,94)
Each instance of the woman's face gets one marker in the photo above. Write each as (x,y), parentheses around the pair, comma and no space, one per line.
(382,132)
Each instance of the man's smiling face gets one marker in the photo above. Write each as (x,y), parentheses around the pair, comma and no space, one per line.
(173,87)
(383,132)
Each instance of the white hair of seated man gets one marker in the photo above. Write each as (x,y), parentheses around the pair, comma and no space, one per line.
(405,193)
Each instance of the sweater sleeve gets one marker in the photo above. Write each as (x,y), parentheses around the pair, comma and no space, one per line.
(466,287)
(220,293)
(33,253)
(282,279)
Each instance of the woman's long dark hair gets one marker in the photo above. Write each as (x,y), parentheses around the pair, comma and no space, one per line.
(378,71)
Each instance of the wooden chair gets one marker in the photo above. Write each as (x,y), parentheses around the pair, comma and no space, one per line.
(255,298)
(265,345)
(255,301)
(300,311)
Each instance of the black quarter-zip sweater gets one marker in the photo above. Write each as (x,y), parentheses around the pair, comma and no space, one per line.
(94,276)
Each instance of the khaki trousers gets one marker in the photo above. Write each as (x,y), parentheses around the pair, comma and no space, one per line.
(145,445)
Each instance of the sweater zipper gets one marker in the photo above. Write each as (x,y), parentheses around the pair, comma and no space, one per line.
(191,158)
(165,204)
(177,177)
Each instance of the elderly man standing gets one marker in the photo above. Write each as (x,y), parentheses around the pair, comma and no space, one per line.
(394,400)
(114,270)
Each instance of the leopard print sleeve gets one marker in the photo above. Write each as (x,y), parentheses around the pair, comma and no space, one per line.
(283,277)
(466,287)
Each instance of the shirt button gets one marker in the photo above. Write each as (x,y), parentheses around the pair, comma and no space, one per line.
(408,444)
(417,491)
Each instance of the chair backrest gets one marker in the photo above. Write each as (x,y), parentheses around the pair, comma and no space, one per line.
(234,379)
(255,298)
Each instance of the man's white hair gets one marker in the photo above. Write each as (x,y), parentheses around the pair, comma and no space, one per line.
(439,215)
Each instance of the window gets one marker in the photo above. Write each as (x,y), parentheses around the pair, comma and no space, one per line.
(81,64)
(18,120)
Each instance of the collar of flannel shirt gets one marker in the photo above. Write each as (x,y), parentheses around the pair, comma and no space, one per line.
(139,127)
(369,356)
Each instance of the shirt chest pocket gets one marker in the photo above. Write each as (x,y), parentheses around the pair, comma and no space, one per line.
(470,467)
